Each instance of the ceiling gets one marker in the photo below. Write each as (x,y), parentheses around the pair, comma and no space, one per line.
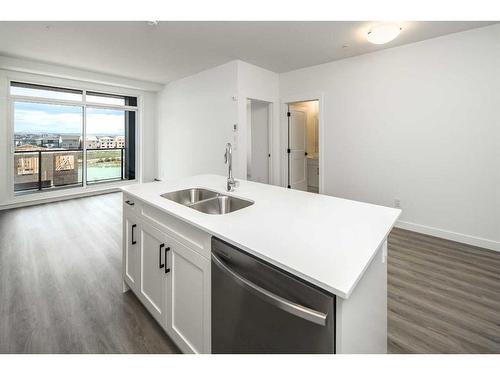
(172,50)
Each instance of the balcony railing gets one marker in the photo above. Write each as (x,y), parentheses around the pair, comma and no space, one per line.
(51,169)
(105,164)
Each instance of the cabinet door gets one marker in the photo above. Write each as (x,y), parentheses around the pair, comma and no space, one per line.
(131,254)
(153,250)
(188,299)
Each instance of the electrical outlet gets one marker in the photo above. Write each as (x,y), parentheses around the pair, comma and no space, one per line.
(397,203)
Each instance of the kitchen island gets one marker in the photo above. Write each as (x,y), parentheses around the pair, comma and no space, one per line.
(336,245)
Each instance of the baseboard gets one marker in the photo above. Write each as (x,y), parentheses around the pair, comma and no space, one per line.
(58,198)
(448,235)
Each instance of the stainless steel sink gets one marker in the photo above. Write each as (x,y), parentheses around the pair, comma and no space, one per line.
(221,204)
(190,196)
(207,201)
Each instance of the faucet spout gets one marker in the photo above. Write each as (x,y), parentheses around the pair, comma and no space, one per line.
(228,158)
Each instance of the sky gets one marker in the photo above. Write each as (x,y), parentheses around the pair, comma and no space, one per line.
(63,119)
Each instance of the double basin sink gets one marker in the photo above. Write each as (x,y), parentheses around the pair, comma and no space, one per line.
(207,201)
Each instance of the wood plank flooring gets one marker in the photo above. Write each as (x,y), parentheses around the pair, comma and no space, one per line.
(60,287)
(60,282)
(443,296)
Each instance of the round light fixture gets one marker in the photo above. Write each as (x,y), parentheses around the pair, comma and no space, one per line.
(383,33)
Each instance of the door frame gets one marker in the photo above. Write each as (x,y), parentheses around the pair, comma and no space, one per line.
(285,101)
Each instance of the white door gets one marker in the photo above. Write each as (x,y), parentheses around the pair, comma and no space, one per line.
(154,248)
(188,299)
(131,254)
(297,150)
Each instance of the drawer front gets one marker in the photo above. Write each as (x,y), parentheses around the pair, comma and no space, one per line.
(130,204)
(186,234)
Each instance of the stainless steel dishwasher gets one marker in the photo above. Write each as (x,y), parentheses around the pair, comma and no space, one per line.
(257,308)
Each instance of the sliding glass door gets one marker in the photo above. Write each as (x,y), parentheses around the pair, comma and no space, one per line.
(109,137)
(71,138)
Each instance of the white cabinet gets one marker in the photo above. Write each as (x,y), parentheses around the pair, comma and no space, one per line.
(131,266)
(188,299)
(169,271)
(153,252)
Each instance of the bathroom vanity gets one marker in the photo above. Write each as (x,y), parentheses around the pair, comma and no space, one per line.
(327,246)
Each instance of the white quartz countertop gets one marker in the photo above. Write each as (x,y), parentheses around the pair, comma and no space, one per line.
(324,240)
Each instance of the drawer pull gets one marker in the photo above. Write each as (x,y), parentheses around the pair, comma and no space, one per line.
(161,265)
(133,240)
(167,270)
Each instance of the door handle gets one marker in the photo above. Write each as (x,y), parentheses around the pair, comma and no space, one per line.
(159,255)
(130,203)
(133,240)
(167,270)
(293,308)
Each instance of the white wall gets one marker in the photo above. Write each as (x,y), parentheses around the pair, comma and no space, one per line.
(57,75)
(149,123)
(196,118)
(419,123)
(197,114)
(260,84)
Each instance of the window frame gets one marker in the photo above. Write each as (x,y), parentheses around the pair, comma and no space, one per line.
(29,78)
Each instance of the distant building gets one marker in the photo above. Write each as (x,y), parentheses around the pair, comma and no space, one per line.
(22,139)
(106,142)
(120,141)
(48,142)
(91,141)
(70,141)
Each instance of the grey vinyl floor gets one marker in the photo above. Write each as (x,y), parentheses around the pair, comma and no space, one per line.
(443,296)
(60,287)
(60,282)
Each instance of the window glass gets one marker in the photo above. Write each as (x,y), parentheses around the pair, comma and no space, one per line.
(107,143)
(48,146)
(49,142)
(46,126)
(46,92)
(95,97)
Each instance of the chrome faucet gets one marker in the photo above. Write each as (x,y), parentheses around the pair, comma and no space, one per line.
(228,159)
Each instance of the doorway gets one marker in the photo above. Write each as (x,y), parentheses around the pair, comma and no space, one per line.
(303,146)
(258,141)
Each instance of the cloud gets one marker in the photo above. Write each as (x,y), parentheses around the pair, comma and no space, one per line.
(45,118)
(105,121)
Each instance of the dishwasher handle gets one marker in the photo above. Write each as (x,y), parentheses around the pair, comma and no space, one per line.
(300,311)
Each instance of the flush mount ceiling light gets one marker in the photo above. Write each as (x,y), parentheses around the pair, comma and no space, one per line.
(383,33)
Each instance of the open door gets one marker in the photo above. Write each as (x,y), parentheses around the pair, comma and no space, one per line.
(297,155)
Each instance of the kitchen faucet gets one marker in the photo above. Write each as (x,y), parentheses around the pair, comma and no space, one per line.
(228,159)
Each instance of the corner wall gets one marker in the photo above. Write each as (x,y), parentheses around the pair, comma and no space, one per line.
(260,84)
(195,121)
(197,115)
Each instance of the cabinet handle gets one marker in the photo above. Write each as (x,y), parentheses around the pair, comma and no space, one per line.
(167,270)
(159,255)
(133,240)
(130,203)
